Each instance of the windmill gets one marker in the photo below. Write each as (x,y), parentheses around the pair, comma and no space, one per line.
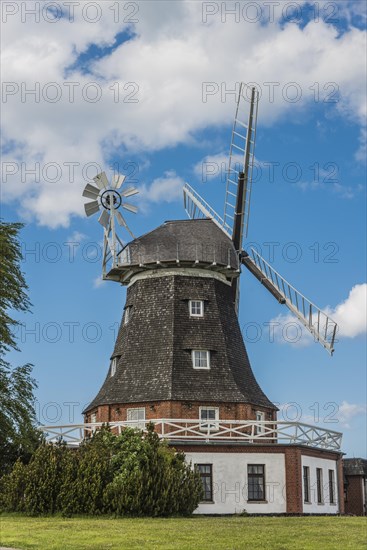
(179,358)
(236,220)
(107,199)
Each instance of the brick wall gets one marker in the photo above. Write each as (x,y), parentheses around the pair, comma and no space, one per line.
(178,409)
(354,496)
(293,476)
(340,484)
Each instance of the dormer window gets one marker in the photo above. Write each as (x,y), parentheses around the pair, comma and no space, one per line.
(196,308)
(201,359)
(127,316)
(113,366)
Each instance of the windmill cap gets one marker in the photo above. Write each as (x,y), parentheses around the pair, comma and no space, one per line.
(184,243)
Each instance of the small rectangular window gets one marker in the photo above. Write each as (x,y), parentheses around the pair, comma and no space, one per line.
(127,316)
(206,474)
(136,417)
(256,481)
(260,417)
(201,359)
(113,366)
(306,484)
(331,487)
(93,419)
(196,308)
(320,496)
(209,418)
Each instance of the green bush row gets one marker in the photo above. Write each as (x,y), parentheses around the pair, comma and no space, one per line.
(134,473)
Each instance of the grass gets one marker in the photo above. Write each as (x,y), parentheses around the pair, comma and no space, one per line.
(195,533)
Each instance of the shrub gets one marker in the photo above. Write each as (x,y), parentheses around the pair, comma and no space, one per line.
(134,474)
(150,478)
(12,489)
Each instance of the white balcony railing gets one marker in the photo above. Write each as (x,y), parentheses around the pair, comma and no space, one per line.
(185,430)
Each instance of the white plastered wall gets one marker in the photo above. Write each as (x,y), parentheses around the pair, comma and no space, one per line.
(314,507)
(230,482)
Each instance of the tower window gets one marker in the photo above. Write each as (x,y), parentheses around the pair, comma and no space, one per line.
(127,315)
(260,416)
(209,418)
(196,308)
(93,419)
(201,359)
(113,366)
(136,417)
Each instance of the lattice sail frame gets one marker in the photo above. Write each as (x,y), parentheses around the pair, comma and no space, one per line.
(319,323)
(241,157)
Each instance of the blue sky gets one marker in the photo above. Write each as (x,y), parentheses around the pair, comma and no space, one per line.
(175,68)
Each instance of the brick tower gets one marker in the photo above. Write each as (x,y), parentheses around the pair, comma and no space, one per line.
(179,352)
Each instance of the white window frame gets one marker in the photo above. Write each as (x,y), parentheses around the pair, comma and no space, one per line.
(260,416)
(127,315)
(201,312)
(93,419)
(211,425)
(193,356)
(136,422)
(113,366)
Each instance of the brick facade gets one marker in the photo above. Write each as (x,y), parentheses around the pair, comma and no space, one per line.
(354,496)
(178,409)
(355,478)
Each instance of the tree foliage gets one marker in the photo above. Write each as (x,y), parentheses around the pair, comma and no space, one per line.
(150,478)
(18,436)
(133,474)
(13,287)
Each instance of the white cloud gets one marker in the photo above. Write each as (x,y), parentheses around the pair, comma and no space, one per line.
(330,414)
(361,154)
(167,61)
(76,237)
(350,315)
(347,411)
(212,166)
(343,191)
(165,189)
(286,329)
(98,282)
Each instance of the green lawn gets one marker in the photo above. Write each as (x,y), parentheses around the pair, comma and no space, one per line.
(196,533)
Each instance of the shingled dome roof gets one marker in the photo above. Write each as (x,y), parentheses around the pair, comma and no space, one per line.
(186,242)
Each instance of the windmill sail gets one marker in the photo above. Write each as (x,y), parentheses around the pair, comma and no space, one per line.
(196,207)
(320,325)
(241,161)
(236,219)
